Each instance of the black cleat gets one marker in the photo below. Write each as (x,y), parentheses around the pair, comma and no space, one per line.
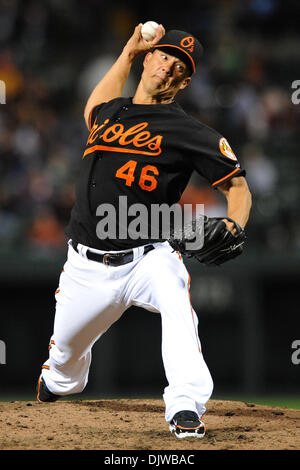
(187,424)
(43,394)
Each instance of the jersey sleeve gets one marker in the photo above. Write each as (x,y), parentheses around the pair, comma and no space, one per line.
(94,113)
(213,158)
(111,107)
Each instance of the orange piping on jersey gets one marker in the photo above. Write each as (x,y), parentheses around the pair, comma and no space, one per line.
(177,47)
(46,367)
(193,314)
(90,116)
(225,177)
(119,149)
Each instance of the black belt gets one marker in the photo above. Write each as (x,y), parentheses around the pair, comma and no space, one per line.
(112,259)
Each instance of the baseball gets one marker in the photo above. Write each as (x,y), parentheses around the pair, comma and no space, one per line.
(149,30)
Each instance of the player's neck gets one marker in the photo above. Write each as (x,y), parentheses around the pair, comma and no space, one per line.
(141,97)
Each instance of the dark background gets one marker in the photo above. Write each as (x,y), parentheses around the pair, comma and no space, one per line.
(52,53)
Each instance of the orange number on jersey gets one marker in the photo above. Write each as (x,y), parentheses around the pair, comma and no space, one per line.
(127,171)
(146,177)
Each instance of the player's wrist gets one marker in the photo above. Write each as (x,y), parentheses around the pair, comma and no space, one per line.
(129,54)
(230,226)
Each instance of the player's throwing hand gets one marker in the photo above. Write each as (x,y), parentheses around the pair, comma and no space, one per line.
(137,44)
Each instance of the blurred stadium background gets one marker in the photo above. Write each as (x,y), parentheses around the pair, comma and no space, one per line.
(52,53)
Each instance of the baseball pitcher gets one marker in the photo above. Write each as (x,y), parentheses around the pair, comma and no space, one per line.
(142,150)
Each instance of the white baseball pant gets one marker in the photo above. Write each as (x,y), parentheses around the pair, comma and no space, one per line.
(91,296)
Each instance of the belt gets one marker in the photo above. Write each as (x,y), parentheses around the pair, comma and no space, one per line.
(112,259)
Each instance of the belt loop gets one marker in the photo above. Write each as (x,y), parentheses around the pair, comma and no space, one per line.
(82,250)
(138,252)
(105,259)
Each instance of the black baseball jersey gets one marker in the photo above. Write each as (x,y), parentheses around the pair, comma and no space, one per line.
(137,155)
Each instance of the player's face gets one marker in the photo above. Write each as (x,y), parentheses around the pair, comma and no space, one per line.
(164,74)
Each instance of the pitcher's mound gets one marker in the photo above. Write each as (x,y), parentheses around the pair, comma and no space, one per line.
(140,425)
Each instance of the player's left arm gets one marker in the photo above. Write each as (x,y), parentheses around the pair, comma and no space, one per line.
(239,200)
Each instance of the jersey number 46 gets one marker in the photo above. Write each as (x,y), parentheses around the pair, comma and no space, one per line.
(147,180)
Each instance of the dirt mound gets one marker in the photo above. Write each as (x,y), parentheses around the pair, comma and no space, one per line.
(140,425)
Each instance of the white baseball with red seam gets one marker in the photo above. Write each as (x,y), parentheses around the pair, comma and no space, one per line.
(149,30)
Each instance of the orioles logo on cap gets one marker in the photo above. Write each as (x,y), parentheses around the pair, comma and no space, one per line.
(188,42)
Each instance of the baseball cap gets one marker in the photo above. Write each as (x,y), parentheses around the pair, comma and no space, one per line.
(182,45)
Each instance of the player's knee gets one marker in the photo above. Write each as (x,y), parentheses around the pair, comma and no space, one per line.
(64,355)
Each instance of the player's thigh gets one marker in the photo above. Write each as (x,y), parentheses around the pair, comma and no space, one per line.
(85,305)
(160,278)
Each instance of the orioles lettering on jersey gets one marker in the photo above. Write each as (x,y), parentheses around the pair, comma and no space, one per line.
(140,139)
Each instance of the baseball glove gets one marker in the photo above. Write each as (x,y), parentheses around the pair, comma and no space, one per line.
(215,245)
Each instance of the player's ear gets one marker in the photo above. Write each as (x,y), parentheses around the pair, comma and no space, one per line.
(147,58)
(185,82)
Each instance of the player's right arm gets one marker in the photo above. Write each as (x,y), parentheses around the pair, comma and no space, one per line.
(112,84)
